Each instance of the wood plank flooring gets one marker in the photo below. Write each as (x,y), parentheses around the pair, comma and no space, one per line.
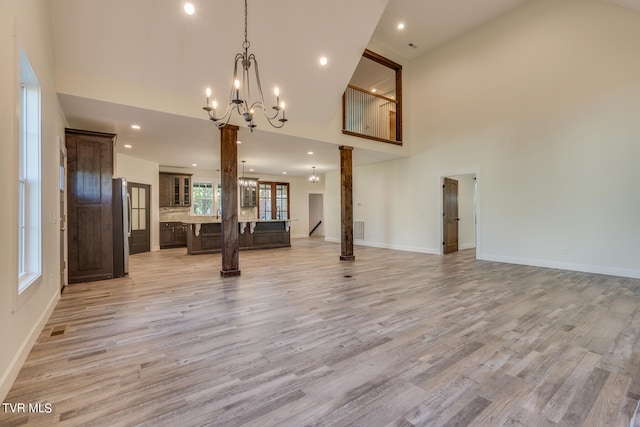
(301,338)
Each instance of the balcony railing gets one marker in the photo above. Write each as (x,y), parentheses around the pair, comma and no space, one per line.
(369,115)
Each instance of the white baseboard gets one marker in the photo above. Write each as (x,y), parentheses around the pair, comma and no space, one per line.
(12,371)
(466,246)
(584,268)
(418,249)
(404,248)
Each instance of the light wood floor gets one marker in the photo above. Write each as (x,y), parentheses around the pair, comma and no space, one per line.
(301,338)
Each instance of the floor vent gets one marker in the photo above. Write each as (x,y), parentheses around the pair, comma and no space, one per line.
(358,230)
(58,330)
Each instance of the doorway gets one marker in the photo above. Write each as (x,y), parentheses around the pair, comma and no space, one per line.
(140,237)
(459,194)
(316,215)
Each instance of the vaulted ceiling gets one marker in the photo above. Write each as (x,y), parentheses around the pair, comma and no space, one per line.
(120,62)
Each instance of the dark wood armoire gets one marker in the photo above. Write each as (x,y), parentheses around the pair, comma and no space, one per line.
(89,205)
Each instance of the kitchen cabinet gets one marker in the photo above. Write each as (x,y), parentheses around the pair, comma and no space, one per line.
(206,237)
(248,198)
(173,235)
(175,190)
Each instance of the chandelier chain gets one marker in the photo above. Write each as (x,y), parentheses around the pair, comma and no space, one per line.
(246,43)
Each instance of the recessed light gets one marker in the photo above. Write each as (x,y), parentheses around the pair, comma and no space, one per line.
(284,173)
(127,146)
(194,164)
(401,26)
(323,61)
(189,8)
(239,142)
(136,127)
(250,170)
(310,152)
(374,90)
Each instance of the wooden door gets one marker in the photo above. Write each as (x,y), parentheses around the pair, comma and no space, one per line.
(89,205)
(450,215)
(273,200)
(140,238)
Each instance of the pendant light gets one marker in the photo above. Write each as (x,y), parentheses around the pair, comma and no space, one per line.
(314,178)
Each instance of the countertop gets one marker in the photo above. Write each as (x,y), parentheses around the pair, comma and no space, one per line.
(208,220)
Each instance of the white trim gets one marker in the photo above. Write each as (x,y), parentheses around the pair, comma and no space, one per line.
(12,371)
(31,230)
(466,246)
(584,268)
(193,198)
(404,248)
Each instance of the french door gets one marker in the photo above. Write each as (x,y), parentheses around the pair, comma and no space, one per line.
(273,200)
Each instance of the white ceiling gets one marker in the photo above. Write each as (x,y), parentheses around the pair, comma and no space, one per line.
(120,62)
(431,23)
(632,4)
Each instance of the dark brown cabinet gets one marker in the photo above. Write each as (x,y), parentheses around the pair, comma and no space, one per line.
(166,190)
(262,235)
(89,202)
(173,234)
(175,190)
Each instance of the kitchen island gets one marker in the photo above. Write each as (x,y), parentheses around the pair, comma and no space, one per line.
(205,237)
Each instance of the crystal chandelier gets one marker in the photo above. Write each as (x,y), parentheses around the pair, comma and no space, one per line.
(314,178)
(240,96)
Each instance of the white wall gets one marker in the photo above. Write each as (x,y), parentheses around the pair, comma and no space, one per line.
(143,172)
(22,317)
(542,105)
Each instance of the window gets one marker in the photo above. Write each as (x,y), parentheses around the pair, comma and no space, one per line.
(29,182)
(203,198)
(273,200)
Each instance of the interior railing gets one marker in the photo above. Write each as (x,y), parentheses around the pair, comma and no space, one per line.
(315,228)
(369,115)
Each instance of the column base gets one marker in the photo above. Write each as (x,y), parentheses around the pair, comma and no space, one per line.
(347,257)
(229,273)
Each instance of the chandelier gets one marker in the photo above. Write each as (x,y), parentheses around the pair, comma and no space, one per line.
(240,96)
(247,182)
(314,178)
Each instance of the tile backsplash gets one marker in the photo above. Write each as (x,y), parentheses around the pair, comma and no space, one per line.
(174,214)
